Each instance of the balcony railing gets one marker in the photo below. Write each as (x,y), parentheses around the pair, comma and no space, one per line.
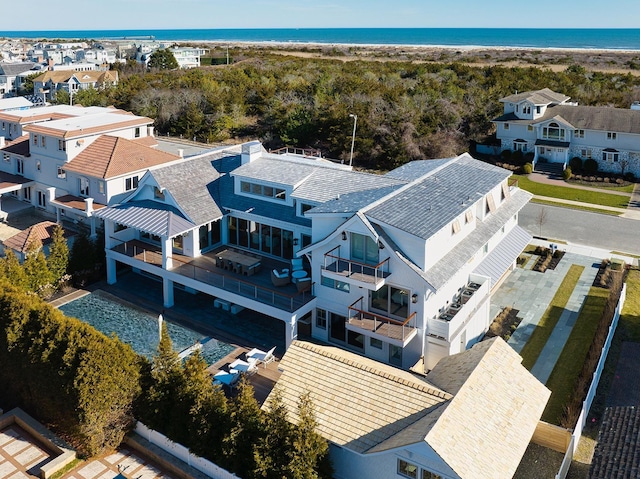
(383,325)
(456,314)
(184,266)
(356,270)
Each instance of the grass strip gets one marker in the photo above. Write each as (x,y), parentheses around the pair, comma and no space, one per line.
(576,207)
(574,194)
(563,378)
(549,319)
(604,186)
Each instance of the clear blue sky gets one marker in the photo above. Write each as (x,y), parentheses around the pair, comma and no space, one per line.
(172,14)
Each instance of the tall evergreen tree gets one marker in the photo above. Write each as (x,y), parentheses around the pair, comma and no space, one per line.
(272,453)
(163,59)
(36,269)
(310,450)
(58,259)
(11,269)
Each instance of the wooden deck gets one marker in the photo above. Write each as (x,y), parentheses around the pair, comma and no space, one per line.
(263,381)
(364,274)
(393,331)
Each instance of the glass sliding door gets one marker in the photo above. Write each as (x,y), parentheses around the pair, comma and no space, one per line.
(364,249)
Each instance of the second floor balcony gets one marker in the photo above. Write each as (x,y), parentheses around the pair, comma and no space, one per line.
(342,268)
(395,331)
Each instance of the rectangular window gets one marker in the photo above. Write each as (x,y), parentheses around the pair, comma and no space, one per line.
(468,216)
(43,140)
(131,183)
(529,127)
(158,194)
(137,132)
(395,358)
(455,227)
(335,284)
(7,158)
(321,318)
(35,140)
(84,187)
(20,166)
(506,126)
(62,146)
(610,156)
(364,249)
(612,135)
(101,187)
(491,203)
(578,133)
(262,190)
(62,175)
(304,207)
(430,475)
(585,153)
(375,343)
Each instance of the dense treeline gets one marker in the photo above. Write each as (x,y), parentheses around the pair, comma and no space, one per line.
(405,110)
(91,388)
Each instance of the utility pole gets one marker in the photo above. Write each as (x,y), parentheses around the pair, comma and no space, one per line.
(353,137)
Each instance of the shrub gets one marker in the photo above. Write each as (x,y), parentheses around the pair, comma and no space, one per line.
(575,163)
(506,155)
(516,157)
(629,176)
(566,174)
(590,166)
(528,157)
(527,168)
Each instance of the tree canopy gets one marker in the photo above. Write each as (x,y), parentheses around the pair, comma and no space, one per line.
(163,59)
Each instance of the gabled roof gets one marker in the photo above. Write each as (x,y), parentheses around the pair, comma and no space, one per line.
(193,185)
(42,232)
(112,156)
(13,69)
(538,97)
(431,203)
(470,405)
(91,76)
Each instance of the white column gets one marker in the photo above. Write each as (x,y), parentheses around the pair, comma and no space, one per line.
(291,332)
(92,220)
(167,253)
(167,292)
(58,216)
(111,271)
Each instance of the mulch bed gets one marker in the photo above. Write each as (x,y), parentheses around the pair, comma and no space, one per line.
(505,324)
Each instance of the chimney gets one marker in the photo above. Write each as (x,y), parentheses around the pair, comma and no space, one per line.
(88,205)
(251,151)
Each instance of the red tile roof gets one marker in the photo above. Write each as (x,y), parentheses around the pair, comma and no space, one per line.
(111,156)
(19,146)
(41,231)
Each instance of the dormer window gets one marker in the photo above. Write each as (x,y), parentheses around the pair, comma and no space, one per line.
(506,126)
(263,190)
(526,109)
(578,133)
(612,135)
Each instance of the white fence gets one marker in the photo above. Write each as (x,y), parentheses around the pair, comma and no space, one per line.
(182,453)
(586,405)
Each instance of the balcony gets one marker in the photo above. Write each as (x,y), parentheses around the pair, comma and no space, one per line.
(203,270)
(394,331)
(457,314)
(367,276)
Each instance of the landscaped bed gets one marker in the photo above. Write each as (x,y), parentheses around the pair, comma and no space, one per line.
(504,324)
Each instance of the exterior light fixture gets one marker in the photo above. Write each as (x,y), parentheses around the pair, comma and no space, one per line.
(295,241)
(414,298)
(344,236)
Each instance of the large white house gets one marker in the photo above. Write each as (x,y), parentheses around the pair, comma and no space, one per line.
(71,161)
(546,123)
(398,267)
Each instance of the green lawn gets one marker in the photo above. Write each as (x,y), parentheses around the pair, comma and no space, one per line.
(630,317)
(623,189)
(565,374)
(574,194)
(576,207)
(540,335)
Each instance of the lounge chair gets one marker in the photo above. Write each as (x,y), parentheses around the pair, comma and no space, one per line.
(280,278)
(248,367)
(260,356)
(228,378)
(303,284)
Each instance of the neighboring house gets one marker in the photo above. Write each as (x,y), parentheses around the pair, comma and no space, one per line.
(471,417)
(399,267)
(73,165)
(73,81)
(188,57)
(40,232)
(8,74)
(548,125)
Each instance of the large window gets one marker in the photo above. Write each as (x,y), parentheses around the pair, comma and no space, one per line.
(321,318)
(264,238)
(578,133)
(335,284)
(84,187)
(612,135)
(611,156)
(553,132)
(364,249)
(62,175)
(391,301)
(209,235)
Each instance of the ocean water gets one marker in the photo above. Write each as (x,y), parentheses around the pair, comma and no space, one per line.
(606,39)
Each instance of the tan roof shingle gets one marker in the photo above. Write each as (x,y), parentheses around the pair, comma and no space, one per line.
(42,232)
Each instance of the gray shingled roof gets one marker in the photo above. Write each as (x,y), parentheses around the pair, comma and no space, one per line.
(275,170)
(416,169)
(13,69)
(424,208)
(617,453)
(194,186)
(538,97)
(440,273)
(352,202)
(599,118)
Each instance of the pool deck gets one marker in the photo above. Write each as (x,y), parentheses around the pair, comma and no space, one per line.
(196,312)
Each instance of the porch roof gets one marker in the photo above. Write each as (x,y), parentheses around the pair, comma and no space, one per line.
(9,182)
(149,216)
(503,255)
(555,144)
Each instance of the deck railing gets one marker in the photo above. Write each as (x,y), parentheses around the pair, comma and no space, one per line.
(372,321)
(376,271)
(241,287)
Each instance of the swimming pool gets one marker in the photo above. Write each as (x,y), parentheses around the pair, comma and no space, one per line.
(137,327)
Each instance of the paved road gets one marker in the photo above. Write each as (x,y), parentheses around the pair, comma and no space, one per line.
(582,227)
